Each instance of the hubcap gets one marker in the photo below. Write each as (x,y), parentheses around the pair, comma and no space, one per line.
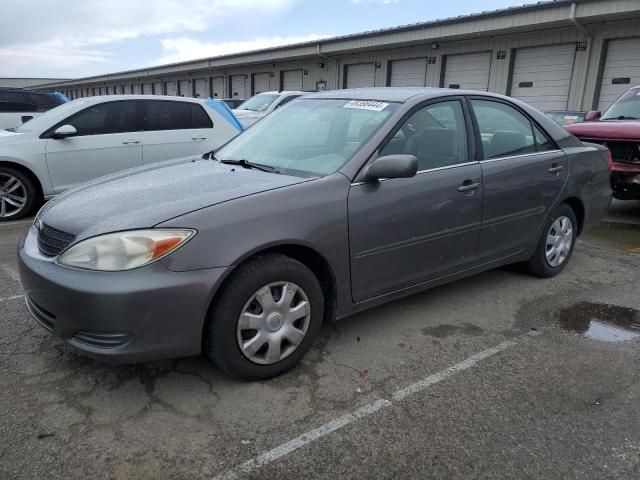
(273,323)
(13,195)
(559,241)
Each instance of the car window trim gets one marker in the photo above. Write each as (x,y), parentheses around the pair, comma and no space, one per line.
(533,154)
(421,172)
(48,133)
(532,121)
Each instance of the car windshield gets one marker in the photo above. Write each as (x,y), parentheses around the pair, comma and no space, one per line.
(309,137)
(259,103)
(627,107)
(44,121)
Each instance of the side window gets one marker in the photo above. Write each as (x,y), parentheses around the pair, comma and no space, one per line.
(200,117)
(167,115)
(542,142)
(105,118)
(435,134)
(287,100)
(504,130)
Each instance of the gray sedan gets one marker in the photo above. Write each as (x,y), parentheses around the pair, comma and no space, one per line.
(340,202)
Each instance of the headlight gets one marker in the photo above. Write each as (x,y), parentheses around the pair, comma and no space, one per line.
(124,250)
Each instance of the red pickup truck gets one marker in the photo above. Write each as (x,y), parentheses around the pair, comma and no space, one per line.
(619,130)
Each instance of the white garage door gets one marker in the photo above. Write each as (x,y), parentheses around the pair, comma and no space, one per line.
(408,73)
(238,86)
(360,75)
(157,88)
(468,72)
(171,88)
(542,76)
(184,88)
(292,80)
(261,82)
(217,87)
(146,88)
(621,70)
(201,87)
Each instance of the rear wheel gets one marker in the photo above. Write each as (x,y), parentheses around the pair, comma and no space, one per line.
(556,243)
(265,319)
(18,194)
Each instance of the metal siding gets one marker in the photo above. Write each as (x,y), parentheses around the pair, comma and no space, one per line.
(261,82)
(469,71)
(184,88)
(238,86)
(623,61)
(136,89)
(292,80)
(217,87)
(408,73)
(549,69)
(171,88)
(157,88)
(201,87)
(360,75)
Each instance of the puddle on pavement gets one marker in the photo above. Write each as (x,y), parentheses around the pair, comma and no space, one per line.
(599,321)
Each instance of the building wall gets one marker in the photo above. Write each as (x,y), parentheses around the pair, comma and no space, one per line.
(26,82)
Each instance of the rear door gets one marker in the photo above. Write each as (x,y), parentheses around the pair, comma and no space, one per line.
(407,231)
(523,173)
(174,129)
(108,140)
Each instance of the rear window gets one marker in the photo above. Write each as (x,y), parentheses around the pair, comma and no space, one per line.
(200,117)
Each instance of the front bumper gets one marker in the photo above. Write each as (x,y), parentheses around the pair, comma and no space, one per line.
(149,313)
(625,181)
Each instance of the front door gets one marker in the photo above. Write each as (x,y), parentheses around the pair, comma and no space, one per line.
(407,231)
(108,140)
(523,174)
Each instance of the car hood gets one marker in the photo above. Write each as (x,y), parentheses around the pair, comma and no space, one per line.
(10,137)
(146,196)
(606,130)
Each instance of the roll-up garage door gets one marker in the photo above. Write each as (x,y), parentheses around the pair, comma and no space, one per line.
(621,70)
(217,87)
(408,73)
(238,86)
(171,87)
(146,89)
(292,80)
(157,88)
(261,82)
(359,75)
(202,87)
(469,71)
(184,88)
(542,76)
(135,89)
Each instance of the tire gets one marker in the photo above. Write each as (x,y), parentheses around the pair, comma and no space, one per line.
(15,184)
(271,274)
(539,264)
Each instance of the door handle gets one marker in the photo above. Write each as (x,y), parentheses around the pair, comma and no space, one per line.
(198,138)
(468,186)
(131,142)
(555,168)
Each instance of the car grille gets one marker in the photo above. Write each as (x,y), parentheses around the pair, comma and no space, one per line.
(52,241)
(625,152)
(102,340)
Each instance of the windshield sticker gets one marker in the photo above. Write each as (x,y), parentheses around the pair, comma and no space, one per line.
(367,105)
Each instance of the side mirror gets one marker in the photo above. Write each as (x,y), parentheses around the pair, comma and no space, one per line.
(392,166)
(65,131)
(592,116)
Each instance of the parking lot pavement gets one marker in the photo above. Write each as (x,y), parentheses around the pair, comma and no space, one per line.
(498,376)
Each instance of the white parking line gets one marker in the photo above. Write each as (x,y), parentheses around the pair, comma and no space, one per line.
(12,272)
(363,412)
(12,297)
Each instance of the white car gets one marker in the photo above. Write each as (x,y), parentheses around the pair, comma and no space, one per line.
(95,136)
(18,105)
(262,104)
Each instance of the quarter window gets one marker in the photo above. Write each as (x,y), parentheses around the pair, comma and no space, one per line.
(167,115)
(435,134)
(105,118)
(200,117)
(504,130)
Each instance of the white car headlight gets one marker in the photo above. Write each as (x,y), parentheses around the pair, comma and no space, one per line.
(124,250)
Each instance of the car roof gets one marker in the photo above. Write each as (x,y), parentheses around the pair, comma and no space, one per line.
(283,92)
(104,98)
(396,94)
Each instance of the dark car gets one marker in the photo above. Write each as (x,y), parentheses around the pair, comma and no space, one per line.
(18,105)
(618,129)
(340,202)
(566,117)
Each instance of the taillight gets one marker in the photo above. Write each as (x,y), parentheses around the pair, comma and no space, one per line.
(609,160)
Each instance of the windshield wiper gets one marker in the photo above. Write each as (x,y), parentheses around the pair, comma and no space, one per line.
(246,164)
(621,117)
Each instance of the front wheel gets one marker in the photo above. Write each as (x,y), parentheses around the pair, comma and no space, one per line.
(556,243)
(18,194)
(265,318)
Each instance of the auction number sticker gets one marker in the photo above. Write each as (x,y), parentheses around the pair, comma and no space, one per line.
(367,105)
